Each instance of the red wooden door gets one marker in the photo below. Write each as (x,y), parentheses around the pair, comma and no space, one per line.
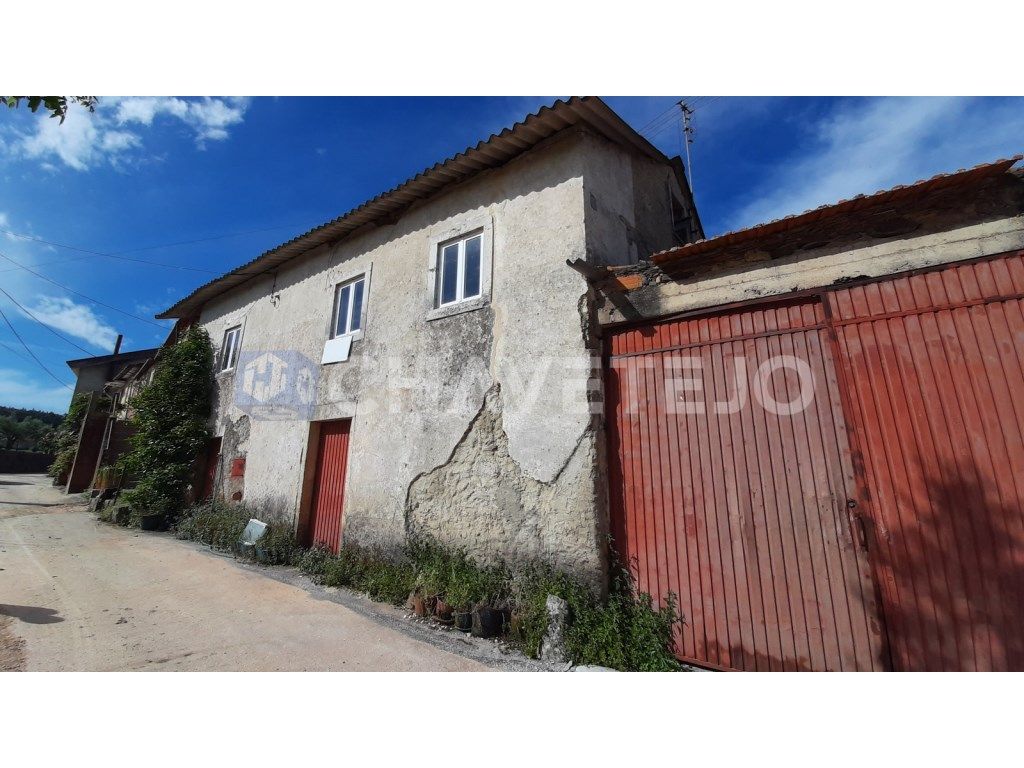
(210,470)
(935,363)
(328,502)
(730,478)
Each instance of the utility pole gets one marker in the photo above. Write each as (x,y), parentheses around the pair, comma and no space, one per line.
(687,111)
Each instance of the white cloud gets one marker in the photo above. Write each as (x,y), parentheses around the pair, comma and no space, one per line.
(75,320)
(86,140)
(17,390)
(870,144)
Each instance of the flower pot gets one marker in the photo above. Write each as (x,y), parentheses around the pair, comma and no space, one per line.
(442,610)
(463,621)
(487,622)
(151,522)
(417,605)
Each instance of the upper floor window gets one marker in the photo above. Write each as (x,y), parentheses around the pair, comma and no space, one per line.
(229,350)
(348,307)
(458,270)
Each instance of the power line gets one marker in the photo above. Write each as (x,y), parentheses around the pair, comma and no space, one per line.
(78,293)
(12,350)
(120,254)
(41,364)
(108,255)
(47,327)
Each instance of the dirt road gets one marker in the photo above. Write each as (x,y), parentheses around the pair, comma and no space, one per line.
(76,594)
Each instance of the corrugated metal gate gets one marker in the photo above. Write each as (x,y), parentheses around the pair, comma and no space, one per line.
(757,504)
(735,497)
(328,502)
(934,363)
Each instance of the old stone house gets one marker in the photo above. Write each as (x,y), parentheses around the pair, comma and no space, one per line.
(809,432)
(426,363)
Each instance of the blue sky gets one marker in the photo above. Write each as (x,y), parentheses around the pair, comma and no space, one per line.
(141,176)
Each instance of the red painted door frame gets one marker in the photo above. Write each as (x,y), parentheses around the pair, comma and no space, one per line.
(327,506)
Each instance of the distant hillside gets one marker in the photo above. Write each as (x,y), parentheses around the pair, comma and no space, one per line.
(25,429)
(21,414)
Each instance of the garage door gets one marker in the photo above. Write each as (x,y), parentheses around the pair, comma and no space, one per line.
(732,486)
(906,464)
(934,362)
(328,501)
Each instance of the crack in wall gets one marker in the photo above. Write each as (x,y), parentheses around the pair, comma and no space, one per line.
(481,500)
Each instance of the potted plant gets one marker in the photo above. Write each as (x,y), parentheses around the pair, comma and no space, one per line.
(151,521)
(487,621)
(442,611)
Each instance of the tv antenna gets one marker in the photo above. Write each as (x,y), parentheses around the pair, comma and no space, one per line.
(688,134)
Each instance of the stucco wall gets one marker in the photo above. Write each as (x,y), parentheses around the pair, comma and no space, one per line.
(416,388)
(757,276)
(628,204)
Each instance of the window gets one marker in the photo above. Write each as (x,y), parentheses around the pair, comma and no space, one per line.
(229,351)
(458,271)
(348,307)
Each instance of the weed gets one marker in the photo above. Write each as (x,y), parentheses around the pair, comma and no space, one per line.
(220,526)
(624,632)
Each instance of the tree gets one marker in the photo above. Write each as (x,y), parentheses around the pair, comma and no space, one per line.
(57,105)
(10,432)
(170,418)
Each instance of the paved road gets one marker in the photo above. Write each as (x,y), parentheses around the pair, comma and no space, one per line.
(76,594)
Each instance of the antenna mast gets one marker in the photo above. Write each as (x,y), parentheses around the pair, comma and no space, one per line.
(687,111)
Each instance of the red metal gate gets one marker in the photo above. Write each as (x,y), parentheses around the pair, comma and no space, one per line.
(328,502)
(730,480)
(741,512)
(934,362)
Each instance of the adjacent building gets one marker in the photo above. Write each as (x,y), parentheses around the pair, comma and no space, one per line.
(108,381)
(816,431)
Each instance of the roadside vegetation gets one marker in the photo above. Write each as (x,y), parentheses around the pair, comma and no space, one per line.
(65,440)
(170,416)
(623,631)
(25,429)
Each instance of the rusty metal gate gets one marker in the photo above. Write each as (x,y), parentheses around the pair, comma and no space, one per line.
(735,497)
(328,502)
(934,362)
(767,461)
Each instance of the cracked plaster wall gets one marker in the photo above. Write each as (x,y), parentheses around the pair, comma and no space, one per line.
(413,386)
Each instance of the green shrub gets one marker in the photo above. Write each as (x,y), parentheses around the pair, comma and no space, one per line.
(624,631)
(220,526)
(383,578)
(66,436)
(170,416)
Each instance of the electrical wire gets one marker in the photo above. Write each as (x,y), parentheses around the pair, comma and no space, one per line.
(33,354)
(108,255)
(47,327)
(120,254)
(79,293)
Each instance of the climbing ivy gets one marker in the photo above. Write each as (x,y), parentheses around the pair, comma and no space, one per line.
(67,436)
(170,418)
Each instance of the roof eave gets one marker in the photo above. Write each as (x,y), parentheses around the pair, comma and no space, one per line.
(494,152)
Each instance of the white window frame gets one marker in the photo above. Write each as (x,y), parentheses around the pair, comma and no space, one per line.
(460,270)
(459,231)
(338,287)
(229,352)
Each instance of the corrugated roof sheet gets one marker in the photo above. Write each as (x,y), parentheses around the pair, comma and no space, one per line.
(491,153)
(898,194)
